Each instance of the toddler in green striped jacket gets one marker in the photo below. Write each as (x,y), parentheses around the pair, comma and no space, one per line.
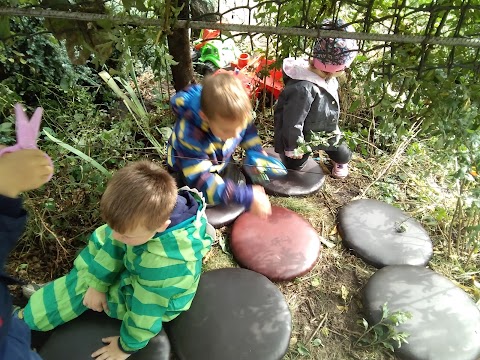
(142,267)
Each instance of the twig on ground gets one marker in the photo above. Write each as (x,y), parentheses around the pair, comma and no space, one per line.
(328,204)
(310,307)
(337,333)
(318,327)
(50,231)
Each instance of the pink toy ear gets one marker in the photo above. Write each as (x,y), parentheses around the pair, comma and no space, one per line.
(27,131)
(20,114)
(35,121)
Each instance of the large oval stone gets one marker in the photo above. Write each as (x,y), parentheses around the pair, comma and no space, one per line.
(382,234)
(223,214)
(282,247)
(79,338)
(301,182)
(237,314)
(445,323)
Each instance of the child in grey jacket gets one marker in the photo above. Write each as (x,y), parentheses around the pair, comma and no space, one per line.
(309,101)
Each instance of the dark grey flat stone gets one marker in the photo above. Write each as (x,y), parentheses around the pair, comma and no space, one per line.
(445,323)
(369,228)
(282,247)
(79,338)
(236,314)
(301,182)
(223,214)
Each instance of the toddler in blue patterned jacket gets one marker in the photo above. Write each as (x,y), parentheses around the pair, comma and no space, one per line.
(212,121)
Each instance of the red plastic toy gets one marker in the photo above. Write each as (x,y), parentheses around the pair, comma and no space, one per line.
(258,77)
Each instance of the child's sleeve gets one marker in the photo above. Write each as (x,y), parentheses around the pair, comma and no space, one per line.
(197,169)
(152,294)
(12,223)
(298,102)
(104,257)
(251,140)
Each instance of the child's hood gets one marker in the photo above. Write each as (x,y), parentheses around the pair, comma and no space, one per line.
(185,208)
(186,103)
(186,237)
(298,69)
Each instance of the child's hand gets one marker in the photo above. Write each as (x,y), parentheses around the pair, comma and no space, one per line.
(23,170)
(111,351)
(293,155)
(260,204)
(95,300)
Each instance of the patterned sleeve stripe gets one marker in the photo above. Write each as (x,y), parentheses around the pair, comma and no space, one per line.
(188,145)
(170,159)
(251,143)
(146,301)
(212,194)
(164,272)
(179,101)
(197,168)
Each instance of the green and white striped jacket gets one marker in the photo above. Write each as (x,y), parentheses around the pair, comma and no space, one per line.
(150,283)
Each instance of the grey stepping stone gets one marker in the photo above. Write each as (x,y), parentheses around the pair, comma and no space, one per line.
(237,314)
(282,247)
(382,234)
(79,338)
(297,182)
(445,323)
(223,214)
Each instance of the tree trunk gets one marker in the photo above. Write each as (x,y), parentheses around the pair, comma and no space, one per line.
(179,48)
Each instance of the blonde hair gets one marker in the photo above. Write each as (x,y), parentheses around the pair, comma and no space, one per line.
(224,95)
(140,194)
(324,75)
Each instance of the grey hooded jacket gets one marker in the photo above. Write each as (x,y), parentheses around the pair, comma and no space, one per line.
(303,107)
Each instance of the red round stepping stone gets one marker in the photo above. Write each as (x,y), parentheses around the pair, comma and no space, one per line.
(282,247)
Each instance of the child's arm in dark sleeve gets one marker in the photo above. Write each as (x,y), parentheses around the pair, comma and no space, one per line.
(296,109)
(196,168)
(12,223)
(251,140)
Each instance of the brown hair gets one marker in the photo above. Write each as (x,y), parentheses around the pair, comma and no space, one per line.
(224,95)
(140,194)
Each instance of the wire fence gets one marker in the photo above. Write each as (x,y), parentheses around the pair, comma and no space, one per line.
(406,38)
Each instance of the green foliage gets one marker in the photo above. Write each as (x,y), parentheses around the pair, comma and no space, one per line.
(137,110)
(384,332)
(303,351)
(80,154)
(32,63)
(317,140)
